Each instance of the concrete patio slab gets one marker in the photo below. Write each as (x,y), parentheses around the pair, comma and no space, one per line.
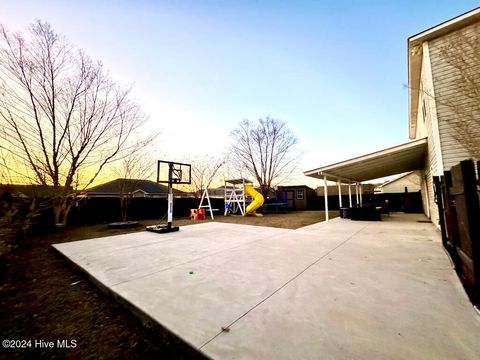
(336,290)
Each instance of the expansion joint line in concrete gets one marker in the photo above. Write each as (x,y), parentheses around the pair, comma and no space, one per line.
(282,286)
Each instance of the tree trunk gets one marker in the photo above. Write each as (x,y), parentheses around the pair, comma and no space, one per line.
(124,203)
(61,208)
(264,189)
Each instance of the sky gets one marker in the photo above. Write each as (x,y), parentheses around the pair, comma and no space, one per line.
(334,71)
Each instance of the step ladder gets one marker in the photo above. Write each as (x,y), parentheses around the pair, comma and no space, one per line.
(208,205)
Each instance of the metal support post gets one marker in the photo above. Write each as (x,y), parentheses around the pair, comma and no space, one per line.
(339,194)
(325,195)
(350,193)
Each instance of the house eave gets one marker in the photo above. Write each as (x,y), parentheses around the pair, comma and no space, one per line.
(415,55)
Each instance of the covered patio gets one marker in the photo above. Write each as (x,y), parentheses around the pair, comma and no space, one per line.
(402,158)
(336,290)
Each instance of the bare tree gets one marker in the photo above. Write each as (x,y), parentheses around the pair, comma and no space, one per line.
(132,171)
(60,113)
(204,171)
(6,170)
(265,149)
(462,97)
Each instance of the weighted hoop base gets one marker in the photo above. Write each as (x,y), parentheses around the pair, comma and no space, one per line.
(162,229)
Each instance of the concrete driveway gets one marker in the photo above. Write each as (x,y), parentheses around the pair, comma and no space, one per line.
(337,290)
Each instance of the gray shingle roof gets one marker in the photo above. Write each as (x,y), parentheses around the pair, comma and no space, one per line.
(125,186)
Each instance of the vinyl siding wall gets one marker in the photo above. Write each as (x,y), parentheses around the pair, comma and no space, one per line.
(427,126)
(449,95)
(410,181)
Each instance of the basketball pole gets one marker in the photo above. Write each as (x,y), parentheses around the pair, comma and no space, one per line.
(170,197)
(175,172)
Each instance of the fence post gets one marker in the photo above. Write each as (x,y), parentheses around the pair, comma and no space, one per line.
(437,182)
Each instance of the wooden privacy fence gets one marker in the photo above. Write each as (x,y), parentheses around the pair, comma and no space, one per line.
(457,197)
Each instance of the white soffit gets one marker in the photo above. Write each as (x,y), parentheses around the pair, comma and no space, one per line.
(395,160)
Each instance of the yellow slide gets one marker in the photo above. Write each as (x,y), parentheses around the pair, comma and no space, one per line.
(257,200)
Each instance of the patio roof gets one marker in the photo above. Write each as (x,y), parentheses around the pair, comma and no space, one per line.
(395,160)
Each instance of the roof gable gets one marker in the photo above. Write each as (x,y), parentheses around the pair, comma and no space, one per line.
(392,181)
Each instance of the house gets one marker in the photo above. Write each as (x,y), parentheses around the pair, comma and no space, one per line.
(402,193)
(409,182)
(442,108)
(333,190)
(341,195)
(135,188)
(297,197)
(443,81)
(30,202)
(135,198)
(29,191)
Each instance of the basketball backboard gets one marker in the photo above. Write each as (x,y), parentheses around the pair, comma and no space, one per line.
(173,172)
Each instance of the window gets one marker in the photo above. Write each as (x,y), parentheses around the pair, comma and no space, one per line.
(299,194)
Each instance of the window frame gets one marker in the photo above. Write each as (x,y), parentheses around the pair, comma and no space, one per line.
(299,194)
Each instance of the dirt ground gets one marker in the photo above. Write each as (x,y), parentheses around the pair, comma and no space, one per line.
(44,299)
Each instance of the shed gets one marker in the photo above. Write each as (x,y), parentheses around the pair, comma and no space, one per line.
(299,197)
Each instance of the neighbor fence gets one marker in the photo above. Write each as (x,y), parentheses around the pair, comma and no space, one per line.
(457,197)
(103,209)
